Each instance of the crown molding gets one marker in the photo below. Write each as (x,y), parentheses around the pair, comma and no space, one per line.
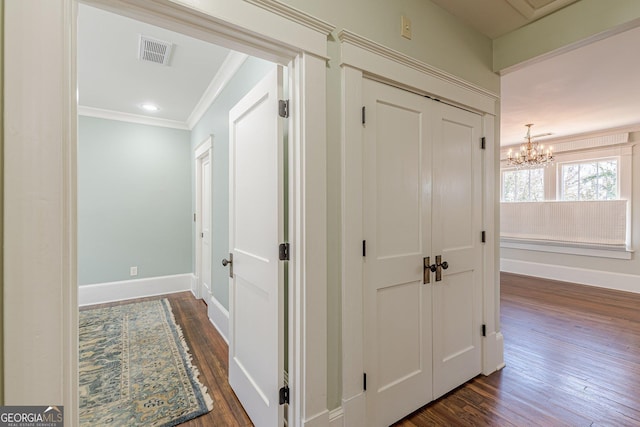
(587,140)
(131,118)
(346,36)
(227,70)
(295,15)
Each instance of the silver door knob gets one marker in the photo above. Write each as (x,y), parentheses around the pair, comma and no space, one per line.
(226,262)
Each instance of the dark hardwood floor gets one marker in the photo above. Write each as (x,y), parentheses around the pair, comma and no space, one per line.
(210,355)
(573,359)
(572,355)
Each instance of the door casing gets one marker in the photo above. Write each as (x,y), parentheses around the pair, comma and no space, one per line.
(202,151)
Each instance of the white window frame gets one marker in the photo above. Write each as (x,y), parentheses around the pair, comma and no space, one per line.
(560,180)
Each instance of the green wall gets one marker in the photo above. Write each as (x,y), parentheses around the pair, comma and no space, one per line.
(134,201)
(216,122)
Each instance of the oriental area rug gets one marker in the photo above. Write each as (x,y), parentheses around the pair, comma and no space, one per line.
(135,368)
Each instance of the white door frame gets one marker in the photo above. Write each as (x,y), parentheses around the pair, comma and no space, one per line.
(202,151)
(40,193)
(361,57)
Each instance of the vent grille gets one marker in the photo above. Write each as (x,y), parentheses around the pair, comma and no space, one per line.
(154,50)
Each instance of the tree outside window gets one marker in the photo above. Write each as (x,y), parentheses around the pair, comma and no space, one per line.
(593,180)
(525,185)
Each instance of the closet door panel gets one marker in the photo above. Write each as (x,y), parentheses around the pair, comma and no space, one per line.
(457,220)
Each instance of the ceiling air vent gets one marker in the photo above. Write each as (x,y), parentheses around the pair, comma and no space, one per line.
(154,50)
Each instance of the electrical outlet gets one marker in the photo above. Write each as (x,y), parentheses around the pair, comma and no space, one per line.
(133,271)
(406,28)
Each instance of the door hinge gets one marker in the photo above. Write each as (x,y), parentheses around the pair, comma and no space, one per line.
(363,115)
(364,248)
(284,395)
(483,143)
(284,252)
(364,381)
(194,217)
(202,235)
(283,108)
(484,330)
(484,237)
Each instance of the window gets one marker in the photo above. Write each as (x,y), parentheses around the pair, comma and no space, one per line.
(525,185)
(592,180)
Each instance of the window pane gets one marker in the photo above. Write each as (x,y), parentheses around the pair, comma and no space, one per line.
(608,180)
(588,181)
(593,180)
(525,185)
(508,186)
(570,178)
(536,185)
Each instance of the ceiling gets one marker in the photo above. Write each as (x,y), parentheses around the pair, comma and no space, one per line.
(592,88)
(111,77)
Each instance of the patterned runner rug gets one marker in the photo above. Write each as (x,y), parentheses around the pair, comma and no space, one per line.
(135,368)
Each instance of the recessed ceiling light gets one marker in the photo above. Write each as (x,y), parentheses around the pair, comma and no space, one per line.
(149,107)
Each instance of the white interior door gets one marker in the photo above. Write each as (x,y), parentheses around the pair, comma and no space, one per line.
(205,235)
(457,222)
(397,305)
(256,329)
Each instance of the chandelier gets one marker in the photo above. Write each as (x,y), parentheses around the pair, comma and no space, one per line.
(531,154)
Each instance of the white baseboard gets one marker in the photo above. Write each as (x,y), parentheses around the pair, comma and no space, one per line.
(493,353)
(219,317)
(336,418)
(320,419)
(194,286)
(354,411)
(583,276)
(100,293)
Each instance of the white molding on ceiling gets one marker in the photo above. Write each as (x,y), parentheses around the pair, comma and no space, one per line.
(131,118)
(227,70)
(584,141)
(295,15)
(532,13)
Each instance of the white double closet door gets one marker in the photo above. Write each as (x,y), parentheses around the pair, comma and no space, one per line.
(422,199)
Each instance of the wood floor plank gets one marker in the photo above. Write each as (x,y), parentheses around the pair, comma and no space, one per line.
(572,354)
(573,359)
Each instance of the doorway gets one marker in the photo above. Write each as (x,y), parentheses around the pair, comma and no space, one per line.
(51,250)
(203,220)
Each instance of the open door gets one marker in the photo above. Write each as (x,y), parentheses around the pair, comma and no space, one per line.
(256,306)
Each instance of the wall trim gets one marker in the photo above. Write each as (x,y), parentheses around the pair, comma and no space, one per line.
(582,276)
(227,70)
(219,317)
(295,15)
(336,417)
(602,251)
(101,113)
(100,293)
(349,38)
